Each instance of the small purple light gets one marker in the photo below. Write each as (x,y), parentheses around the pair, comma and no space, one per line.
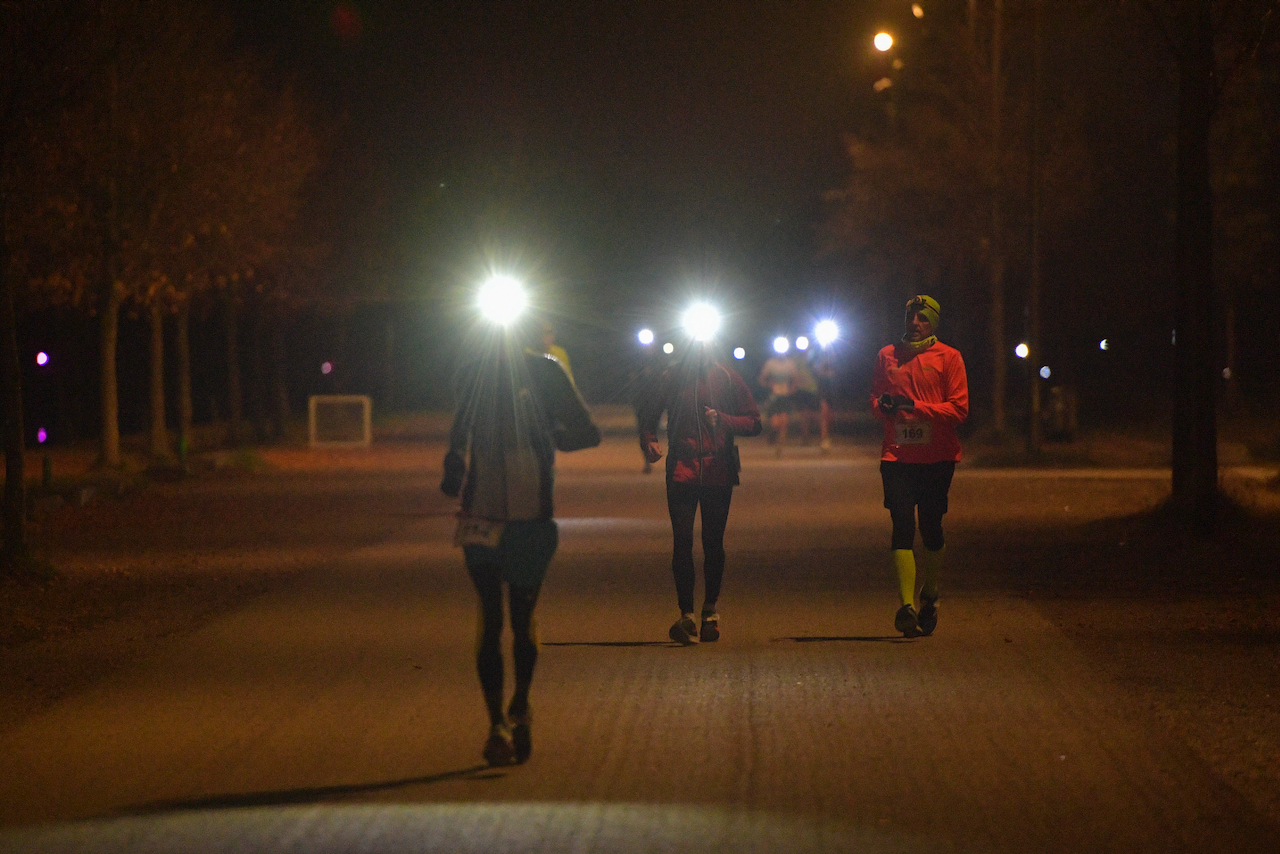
(42,436)
(326,368)
(42,358)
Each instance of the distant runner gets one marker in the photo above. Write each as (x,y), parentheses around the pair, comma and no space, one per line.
(921,393)
(779,375)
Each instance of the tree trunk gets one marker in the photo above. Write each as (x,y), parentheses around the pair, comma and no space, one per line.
(15,494)
(389,372)
(1195,439)
(279,376)
(995,329)
(1034,431)
(258,374)
(159,429)
(183,346)
(109,337)
(235,400)
(109,320)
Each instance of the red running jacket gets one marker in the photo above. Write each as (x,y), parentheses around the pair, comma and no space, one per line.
(935,379)
(696,453)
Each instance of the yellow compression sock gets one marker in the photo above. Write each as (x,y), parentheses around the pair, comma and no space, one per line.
(904,563)
(931,569)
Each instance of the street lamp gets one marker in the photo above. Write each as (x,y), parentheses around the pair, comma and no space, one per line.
(883,42)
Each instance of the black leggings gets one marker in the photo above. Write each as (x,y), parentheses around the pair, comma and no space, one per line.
(908,486)
(524,648)
(682,503)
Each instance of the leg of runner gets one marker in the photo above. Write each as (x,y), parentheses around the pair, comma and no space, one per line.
(682,504)
(524,649)
(498,750)
(715,516)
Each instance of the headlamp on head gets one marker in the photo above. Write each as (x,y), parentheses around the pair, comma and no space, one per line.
(701,321)
(926,305)
(502,299)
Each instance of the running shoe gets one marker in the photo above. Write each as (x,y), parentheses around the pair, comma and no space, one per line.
(710,630)
(906,622)
(499,749)
(928,618)
(685,630)
(522,735)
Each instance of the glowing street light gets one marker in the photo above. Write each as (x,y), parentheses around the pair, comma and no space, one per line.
(42,358)
(781,345)
(668,348)
(701,321)
(917,10)
(502,299)
(826,332)
(1022,351)
(1104,344)
(1045,373)
(645,337)
(883,42)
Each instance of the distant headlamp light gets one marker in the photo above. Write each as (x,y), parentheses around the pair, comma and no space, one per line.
(826,332)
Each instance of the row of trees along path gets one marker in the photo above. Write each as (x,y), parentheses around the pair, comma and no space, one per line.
(150,166)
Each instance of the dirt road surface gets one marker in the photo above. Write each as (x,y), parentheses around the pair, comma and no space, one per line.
(1078,695)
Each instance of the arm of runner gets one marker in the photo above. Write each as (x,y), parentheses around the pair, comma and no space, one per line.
(574,429)
(879,388)
(455,459)
(746,418)
(955,409)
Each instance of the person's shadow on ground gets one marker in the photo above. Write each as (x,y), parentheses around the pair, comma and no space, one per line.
(306,795)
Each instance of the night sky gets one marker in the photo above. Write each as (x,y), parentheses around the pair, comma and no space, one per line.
(651,141)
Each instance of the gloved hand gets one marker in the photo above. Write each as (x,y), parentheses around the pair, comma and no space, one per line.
(454,470)
(891,404)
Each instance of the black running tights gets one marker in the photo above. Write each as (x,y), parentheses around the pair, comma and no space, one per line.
(682,503)
(524,648)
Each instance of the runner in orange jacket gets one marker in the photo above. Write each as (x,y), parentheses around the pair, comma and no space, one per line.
(921,394)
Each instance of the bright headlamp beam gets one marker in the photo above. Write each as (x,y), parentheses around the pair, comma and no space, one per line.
(502,299)
(781,345)
(826,332)
(645,336)
(701,321)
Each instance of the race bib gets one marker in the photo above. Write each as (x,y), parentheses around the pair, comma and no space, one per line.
(912,432)
(474,531)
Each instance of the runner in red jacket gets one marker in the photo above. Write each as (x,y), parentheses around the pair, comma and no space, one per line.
(707,404)
(921,394)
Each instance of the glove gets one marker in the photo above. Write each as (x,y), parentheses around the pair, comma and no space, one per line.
(891,404)
(454,470)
